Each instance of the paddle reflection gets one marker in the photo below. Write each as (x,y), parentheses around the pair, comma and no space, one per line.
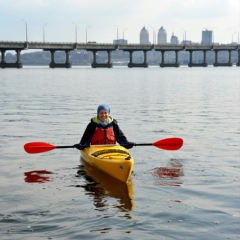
(101,186)
(170,174)
(37,176)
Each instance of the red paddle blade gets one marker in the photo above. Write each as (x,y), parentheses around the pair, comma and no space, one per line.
(169,143)
(38,147)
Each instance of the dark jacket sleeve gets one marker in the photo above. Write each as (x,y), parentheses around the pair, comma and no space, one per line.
(88,133)
(120,137)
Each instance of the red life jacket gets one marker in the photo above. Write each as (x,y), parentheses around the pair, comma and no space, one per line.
(103,136)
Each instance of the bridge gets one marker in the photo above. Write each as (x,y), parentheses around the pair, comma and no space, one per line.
(108,47)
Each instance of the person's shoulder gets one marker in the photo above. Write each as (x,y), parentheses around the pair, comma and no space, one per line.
(92,122)
(114,121)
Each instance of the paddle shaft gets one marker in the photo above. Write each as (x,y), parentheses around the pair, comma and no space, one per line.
(108,145)
(123,145)
(141,144)
(65,146)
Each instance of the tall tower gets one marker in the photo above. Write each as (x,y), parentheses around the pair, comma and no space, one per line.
(144,36)
(206,37)
(162,36)
(174,39)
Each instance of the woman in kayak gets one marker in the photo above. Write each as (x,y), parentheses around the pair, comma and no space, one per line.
(103,129)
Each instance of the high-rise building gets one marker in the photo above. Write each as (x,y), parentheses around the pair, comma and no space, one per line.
(206,37)
(174,39)
(162,36)
(144,36)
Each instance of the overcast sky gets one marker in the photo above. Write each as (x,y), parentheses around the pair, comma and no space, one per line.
(127,16)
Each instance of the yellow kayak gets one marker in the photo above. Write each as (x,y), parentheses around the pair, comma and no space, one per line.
(114,160)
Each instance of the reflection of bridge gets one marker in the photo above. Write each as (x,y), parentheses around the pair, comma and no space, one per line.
(95,47)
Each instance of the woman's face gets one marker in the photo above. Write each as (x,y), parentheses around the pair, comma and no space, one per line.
(103,115)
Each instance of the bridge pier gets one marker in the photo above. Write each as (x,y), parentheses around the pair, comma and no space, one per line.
(131,64)
(101,65)
(67,64)
(163,64)
(217,64)
(204,64)
(238,63)
(17,64)
(205,58)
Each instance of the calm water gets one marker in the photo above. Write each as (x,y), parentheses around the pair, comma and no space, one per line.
(192,193)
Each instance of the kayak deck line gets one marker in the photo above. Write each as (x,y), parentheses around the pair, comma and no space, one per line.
(119,152)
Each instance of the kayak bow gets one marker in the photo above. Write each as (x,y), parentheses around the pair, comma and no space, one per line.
(116,160)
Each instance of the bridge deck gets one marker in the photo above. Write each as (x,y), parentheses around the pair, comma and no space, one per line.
(6,45)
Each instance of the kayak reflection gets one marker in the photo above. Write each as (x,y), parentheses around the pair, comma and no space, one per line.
(101,186)
(37,176)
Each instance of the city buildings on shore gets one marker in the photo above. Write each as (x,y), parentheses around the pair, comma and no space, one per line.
(144,36)
(162,36)
(207,37)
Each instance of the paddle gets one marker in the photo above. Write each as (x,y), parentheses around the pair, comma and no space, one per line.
(166,144)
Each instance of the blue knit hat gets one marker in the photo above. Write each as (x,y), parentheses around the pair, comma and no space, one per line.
(103,107)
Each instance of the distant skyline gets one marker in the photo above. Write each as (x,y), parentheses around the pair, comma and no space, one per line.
(60,20)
